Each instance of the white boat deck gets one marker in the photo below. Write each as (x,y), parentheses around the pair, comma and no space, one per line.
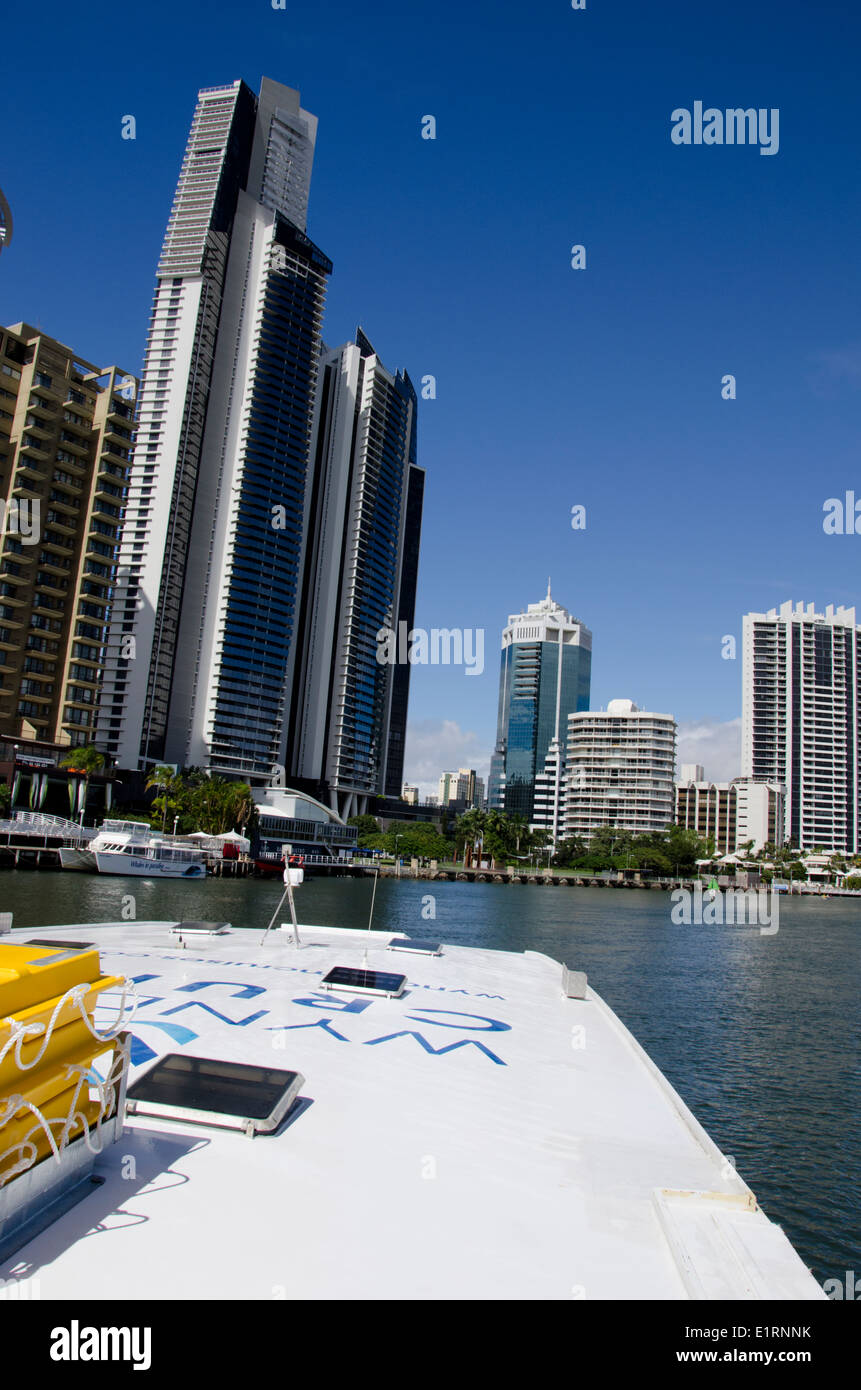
(482,1136)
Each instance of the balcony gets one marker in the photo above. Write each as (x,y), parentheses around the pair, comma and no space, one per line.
(114,432)
(24,486)
(45,585)
(68,510)
(57,543)
(30,448)
(61,522)
(77,465)
(36,425)
(103,500)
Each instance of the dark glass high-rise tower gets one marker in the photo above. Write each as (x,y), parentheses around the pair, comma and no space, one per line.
(274,508)
(361,571)
(202,645)
(545,675)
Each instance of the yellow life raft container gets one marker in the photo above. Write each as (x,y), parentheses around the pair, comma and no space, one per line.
(51,1092)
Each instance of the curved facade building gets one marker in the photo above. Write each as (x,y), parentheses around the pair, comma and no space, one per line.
(620,770)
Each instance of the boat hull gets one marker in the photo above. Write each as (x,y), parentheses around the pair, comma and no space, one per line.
(135,866)
(82,860)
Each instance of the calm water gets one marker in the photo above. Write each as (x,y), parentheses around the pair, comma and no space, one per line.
(758,1034)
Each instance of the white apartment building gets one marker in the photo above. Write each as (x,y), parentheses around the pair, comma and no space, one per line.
(801,681)
(619,770)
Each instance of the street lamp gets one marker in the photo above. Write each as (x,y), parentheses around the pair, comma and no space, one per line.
(175,823)
(397,860)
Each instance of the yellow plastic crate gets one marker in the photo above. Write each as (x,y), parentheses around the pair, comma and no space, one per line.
(31,993)
(25,982)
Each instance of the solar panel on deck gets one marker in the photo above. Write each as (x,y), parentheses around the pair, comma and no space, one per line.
(363,981)
(419,948)
(200,929)
(210,1090)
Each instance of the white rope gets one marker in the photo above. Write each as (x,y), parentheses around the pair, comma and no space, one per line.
(107,1089)
(20,1032)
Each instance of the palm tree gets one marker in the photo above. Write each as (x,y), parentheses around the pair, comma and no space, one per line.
(500,833)
(470,829)
(165,777)
(518,826)
(85,761)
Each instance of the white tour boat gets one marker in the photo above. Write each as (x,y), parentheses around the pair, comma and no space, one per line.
(348,1115)
(132,847)
(112,833)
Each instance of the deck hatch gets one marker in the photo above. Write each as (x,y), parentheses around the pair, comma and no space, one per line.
(208,1090)
(60,941)
(416,947)
(356,981)
(200,929)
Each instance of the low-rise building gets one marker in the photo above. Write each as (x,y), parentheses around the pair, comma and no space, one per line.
(732,813)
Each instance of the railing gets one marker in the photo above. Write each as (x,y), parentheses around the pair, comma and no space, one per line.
(35,823)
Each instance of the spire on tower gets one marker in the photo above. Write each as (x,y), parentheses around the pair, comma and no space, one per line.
(548,588)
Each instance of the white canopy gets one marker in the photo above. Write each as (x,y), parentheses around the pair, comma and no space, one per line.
(233,839)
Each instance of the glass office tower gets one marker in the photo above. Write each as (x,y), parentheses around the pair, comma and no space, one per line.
(545,675)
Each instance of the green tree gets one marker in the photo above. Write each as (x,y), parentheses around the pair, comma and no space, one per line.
(684,848)
(470,829)
(165,778)
(502,834)
(368,828)
(219,806)
(570,852)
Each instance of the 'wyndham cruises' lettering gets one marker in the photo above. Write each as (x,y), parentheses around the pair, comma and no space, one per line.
(424,1014)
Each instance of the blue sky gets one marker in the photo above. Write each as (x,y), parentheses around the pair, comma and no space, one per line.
(555,386)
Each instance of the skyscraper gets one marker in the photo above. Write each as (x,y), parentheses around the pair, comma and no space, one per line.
(801,683)
(361,565)
(545,675)
(66,430)
(201,658)
(406,614)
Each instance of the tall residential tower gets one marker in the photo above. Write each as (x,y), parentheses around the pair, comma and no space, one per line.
(66,430)
(801,685)
(201,658)
(361,566)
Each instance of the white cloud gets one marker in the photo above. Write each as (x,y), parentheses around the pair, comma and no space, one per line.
(714,744)
(435,746)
